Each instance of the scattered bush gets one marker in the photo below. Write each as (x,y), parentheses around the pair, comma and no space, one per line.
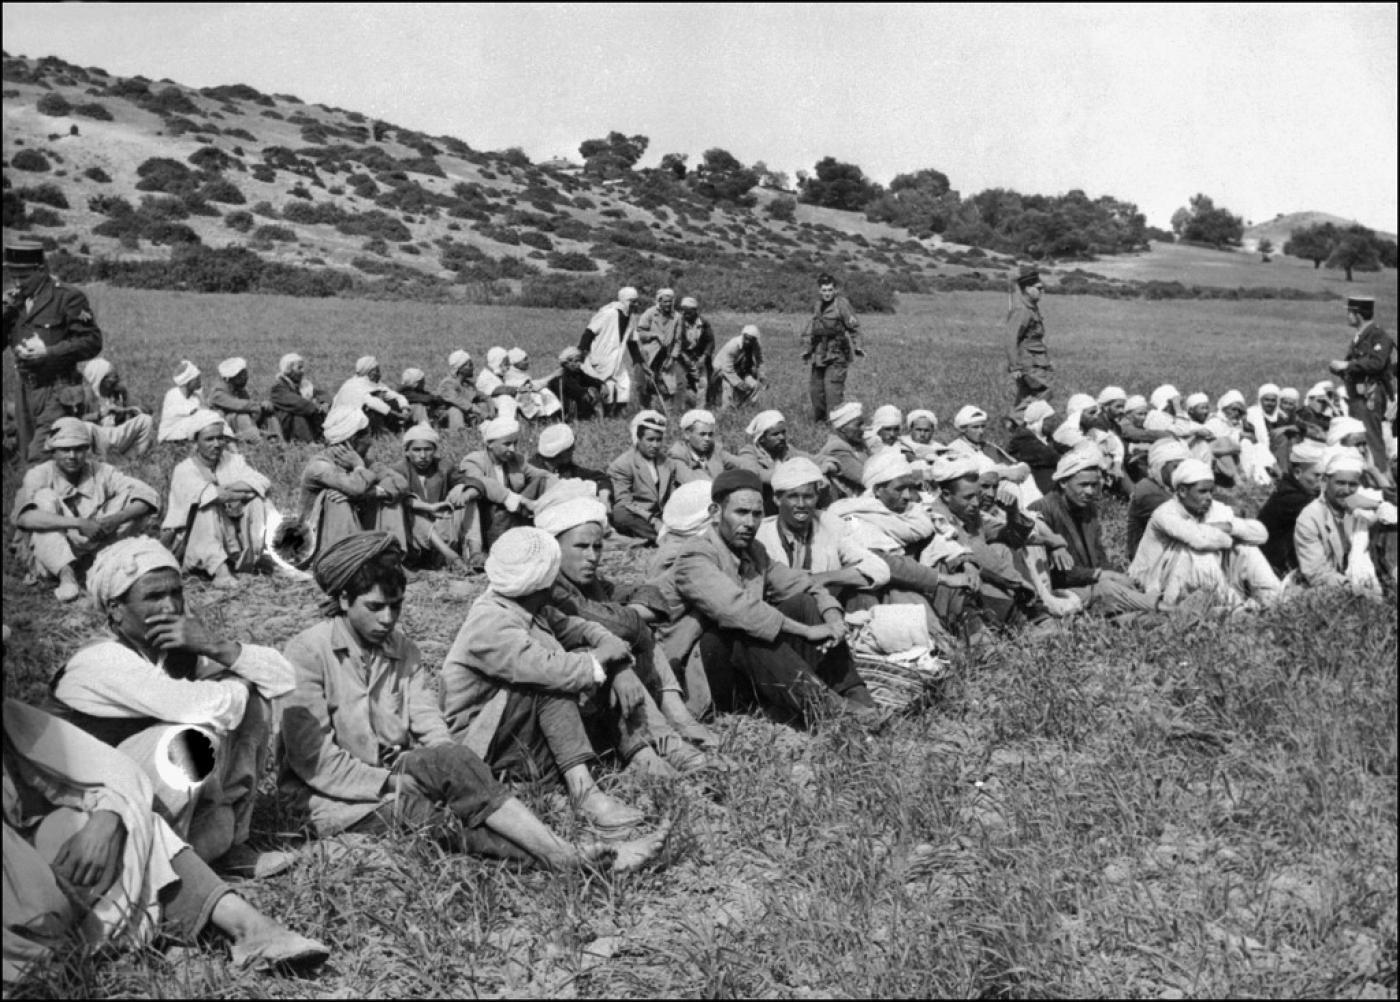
(195,205)
(533,239)
(266,210)
(30,160)
(375,224)
(44,217)
(270,233)
(570,261)
(213,159)
(165,174)
(783,209)
(97,174)
(110,205)
(221,190)
(242,134)
(53,105)
(239,220)
(45,194)
(264,173)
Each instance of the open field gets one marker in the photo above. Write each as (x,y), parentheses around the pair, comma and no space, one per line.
(1189,808)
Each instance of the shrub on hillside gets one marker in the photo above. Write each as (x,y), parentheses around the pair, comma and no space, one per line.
(97,174)
(242,134)
(213,159)
(45,194)
(313,213)
(170,233)
(237,92)
(571,261)
(195,205)
(374,224)
(266,210)
(53,105)
(220,190)
(43,217)
(110,205)
(30,160)
(264,173)
(273,114)
(270,232)
(533,239)
(170,101)
(165,174)
(131,88)
(240,220)
(299,191)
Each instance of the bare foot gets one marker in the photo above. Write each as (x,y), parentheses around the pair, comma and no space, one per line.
(224,579)
(636,853)
(651,765)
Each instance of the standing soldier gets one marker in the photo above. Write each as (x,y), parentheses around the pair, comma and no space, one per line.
(50,328)
(831,343)
(654,333)
(1368,371)
(1027,358)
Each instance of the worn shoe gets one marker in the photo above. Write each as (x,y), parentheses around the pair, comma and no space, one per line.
(679,755)
(607,814)
(246,862)
(224,579)
(287,950)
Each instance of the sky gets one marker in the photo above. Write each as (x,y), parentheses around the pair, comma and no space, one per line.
(1268,109)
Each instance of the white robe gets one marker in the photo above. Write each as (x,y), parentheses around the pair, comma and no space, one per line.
(607,354)
(215,532)
(175,411)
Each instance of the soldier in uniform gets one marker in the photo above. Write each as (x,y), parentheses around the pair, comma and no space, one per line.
(1368,371)
(1027,358)
(51,329)
(831,344)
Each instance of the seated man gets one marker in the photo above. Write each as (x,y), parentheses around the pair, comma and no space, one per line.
(918,441)
(429,408)
(1169,416)
(685,516)
(387,410)
(188,706)
(181,400)
(341,493)
(1030,445)
(117,425)
(554,453)
(366,746)
(738,369)
(697,453)
(298,405)
(71,506)
(439,503)
(534,400)
(509,483)
(491,384)
(1332,536)
(1196,545)
(883,432)
(1154,489)
(770,634)
(579,391)
(1137,440)
(466,407)
(842,457)
(216,516)
(246,416)
(767,447)
(1296,489)
(86,855)
(643,479)
(578,521)
(514,678)
(1070,512)
(972,443)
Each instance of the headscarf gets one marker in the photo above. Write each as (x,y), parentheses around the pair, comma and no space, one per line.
(1192,471)
(886,416)
(690,303)
(663,293)
(1321,390)
(648,419)
(949,467)
(1197,400)
(338,563)
(1342,460)
(734,480)
(1086,456)
(884,466)
(1230,398)
(1037,411)
(342,424)
(796,472)
(67,432)
(185,373)
(412,377)
(1268,390)
(1307,452)
(231,367)
(1078,403)
(495,358)
(1137,402)
(517,355)
(94,371)
(750,330)
(422,432)
(570,354)
(916,415)
(366,364)
(1111,393)
(119,566)
(499,428)
(1289,393)
(458,359)
(287,361)
(1164,451)
(1341,427)
(969,415)
(626,294)
(564,507)
(850,411)
(763,422)
(203,418)
(522,561)
(691,418)
(1163,395)
(555,440)
(687,512)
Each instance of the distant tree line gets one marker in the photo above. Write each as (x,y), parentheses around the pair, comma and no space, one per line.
(1351,248)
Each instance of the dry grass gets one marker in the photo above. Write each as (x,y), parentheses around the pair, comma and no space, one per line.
(1201,807)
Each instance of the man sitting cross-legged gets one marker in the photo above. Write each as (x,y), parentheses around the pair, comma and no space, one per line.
(1332,536)
(1296,489)
(438,502)
(189,706)
(842,457)
(554,454)
(510,484)
(71,506)
(366,746)
(643,478)
(771,634)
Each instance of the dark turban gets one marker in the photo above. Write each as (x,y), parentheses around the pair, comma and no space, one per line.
(337,565)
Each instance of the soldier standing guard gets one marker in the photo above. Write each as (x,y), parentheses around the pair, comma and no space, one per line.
(1369,374)
(831,344)
(50,328)
(1027,358)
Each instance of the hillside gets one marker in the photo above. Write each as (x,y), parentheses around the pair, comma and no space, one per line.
(1281,227)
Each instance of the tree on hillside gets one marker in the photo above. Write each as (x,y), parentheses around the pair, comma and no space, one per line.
(722,178)
(675,163)
(838,185)
(1355,251)
(921,202)
(1205,223)
(769,178)
(1313,243)
(613,156)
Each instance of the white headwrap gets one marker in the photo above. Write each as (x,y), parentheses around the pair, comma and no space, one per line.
(1086,456)
(458,359)
(423,432)
(411,376)
(1111,393)
(1137,402)
(969,415)
(1231,398)
(287,361)
(1341,427)
(94,371)
(653,420)
(886,416)
(850,411)
(884,466)
(1164,451)
(750,330)
(1320,391)
(796,472)
(663,293)
(558,511)
(691,418)
(202,419)
(522,561)
(1079,403)
(626,294)
(1164,395)
(495,358)
(555,440)
(499,428)
(1197,400)
(1192,471)
(517,355)
(366,364)
(185,373)
(121,565)
(1267,390)
(687,513)
(1289,393)
(1307,452)
(1342,460)
(231,367)
(949,467)
(1037,411)
(343,424)
(763,422)
(690,303)
(921,414)
(67,432)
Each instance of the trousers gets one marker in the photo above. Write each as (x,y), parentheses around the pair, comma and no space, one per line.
(827,388)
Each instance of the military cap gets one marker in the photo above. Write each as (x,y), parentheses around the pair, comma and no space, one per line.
(23,251)
(1365,305)
(1029,275)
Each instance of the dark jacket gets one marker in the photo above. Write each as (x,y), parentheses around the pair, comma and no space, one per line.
(1081,530)
(1280,515)
(1026,447)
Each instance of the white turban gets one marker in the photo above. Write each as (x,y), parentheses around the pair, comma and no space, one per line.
(1137,402)
(850,411)
(920,415)
(763,422)
(423,432)
(366,364)
(951,467)
(687,512)
(1079,403)
(1164,395)
(750,330)
(691,418)
(1111,393)
(1307,452)
(287,361)
(884,466)
(495,358)
(796,472)
(458,359)
(663,293)
(1320,390)
(517,355)
(555,440)
(412,376)
(121,565)
(626,294)
(68,432)
(1086,456)
(887,416)
(185,373)
(1231,398)
(1289,393)
(1268,390)
(1342,427)
(499,428)
(94,371)
(570,354)
(969,415)
(343,423)
(231,367)
(1036,413)
(653,420)
(557,515)
(690,303)
(1164,451)
(1340,459)
(1192,471)
(523,561)
(1197,400)
(202,419)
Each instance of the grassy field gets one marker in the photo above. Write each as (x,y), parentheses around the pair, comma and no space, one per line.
(1191,808)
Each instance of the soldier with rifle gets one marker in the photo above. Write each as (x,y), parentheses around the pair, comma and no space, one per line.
(831,345)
